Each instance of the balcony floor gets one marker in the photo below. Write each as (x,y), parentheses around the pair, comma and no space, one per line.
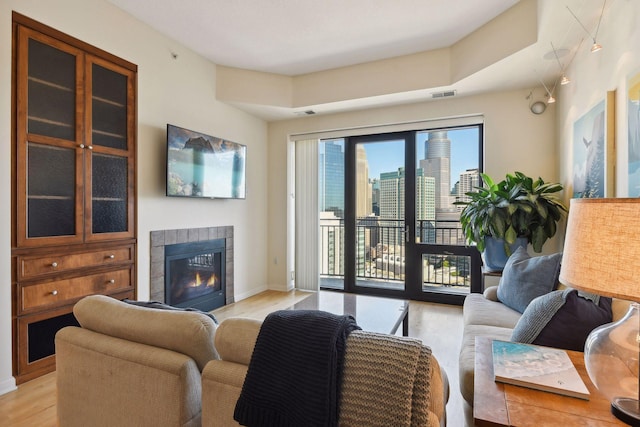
(337,282)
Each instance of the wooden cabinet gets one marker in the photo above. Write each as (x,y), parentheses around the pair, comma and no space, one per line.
(74,180)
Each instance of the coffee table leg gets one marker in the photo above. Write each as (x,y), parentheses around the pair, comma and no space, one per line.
(405,324)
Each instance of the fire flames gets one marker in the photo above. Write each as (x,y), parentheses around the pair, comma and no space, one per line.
(198,281)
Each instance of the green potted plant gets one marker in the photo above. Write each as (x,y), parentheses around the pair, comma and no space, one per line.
(515,208)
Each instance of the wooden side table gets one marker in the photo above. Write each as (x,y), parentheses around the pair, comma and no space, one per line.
(498,404)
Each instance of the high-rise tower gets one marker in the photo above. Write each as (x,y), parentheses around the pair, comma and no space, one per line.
(331,178)
(437,163)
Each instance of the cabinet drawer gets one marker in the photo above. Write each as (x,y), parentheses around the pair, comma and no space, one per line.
(30,267)
(62,291)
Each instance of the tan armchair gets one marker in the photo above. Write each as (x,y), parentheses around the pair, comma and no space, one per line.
(423,403)
(132,366)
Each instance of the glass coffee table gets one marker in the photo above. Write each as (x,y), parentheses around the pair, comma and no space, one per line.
(373,314)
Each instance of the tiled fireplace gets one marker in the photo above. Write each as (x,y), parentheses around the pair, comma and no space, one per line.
(192,267)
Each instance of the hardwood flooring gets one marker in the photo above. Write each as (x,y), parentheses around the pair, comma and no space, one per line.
(439,326)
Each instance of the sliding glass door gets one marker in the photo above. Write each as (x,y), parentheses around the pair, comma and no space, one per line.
(388,222)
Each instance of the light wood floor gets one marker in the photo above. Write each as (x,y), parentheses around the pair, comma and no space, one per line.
(438,326)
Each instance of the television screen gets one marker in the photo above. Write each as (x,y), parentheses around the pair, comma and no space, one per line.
(200,165)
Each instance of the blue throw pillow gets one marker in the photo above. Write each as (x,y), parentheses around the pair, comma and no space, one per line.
(562,319)
(525,278)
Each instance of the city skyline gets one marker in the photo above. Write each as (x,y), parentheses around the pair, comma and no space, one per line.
(464,154)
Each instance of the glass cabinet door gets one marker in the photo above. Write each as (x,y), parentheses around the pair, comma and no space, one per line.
(110,168)
(51,91)
(51,188)
(49,129)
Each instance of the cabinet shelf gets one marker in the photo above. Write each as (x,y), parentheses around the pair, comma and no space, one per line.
(111,134)
(109,199)
(108,101)
(49,122)
(46,197)
(50,84)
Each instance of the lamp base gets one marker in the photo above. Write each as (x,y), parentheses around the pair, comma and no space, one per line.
(627,410)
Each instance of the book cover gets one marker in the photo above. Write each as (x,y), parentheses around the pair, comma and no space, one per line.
(540,368)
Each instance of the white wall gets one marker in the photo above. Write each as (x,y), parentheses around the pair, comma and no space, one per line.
(592,75)
(515,140)
(179,91)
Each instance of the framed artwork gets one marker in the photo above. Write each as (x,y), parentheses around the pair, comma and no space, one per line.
(633,112)
(594,151)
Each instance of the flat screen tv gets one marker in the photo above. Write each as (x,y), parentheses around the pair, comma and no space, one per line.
(200,165)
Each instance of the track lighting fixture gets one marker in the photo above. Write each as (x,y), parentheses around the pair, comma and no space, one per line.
(596,46)
(550,99)
(564,79)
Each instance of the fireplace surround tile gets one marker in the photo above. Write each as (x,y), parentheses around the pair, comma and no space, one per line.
(162,238)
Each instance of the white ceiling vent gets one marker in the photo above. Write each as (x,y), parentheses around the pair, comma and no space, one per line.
(445,94)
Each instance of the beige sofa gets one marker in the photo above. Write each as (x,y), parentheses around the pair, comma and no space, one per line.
(485,315)
(132,366)
(135,366)
(222,379)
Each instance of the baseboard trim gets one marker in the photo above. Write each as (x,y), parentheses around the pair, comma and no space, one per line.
(7,385)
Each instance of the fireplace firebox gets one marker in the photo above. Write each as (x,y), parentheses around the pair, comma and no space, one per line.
(195,274)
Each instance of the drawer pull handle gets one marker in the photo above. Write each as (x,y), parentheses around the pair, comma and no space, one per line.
(54,292)
(112,281)
(112,256)
(54,264)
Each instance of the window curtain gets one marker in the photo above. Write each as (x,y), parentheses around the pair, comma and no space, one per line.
(307,223)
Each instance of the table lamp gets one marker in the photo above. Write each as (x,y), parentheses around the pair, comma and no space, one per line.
(602,256)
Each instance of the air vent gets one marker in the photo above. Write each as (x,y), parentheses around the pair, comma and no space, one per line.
(304,113)
(445,94)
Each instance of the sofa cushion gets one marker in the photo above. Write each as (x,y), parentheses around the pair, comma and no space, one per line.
(562,319)
(525,278)
(235,339)
(478,310)
(186,332)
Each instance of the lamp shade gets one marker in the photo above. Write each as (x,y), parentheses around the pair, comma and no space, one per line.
(602,247)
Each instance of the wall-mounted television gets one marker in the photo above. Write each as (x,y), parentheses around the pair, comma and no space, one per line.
(200,165)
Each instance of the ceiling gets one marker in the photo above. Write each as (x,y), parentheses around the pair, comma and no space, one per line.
(296,37)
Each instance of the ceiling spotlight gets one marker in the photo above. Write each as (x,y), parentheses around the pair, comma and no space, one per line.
(551,99)
(564,80)
(596,46)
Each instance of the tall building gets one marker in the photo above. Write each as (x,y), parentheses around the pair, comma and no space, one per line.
(425,206)
(375,196)
(437,164)
(469,179)
(392,202)
(332,245)
(331,179)
(363,188)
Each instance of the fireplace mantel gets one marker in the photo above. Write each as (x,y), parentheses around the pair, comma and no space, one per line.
(162,238)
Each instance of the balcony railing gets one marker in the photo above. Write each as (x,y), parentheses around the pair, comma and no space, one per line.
(380,252)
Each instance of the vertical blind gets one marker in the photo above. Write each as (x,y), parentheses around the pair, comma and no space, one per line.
(307,223)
